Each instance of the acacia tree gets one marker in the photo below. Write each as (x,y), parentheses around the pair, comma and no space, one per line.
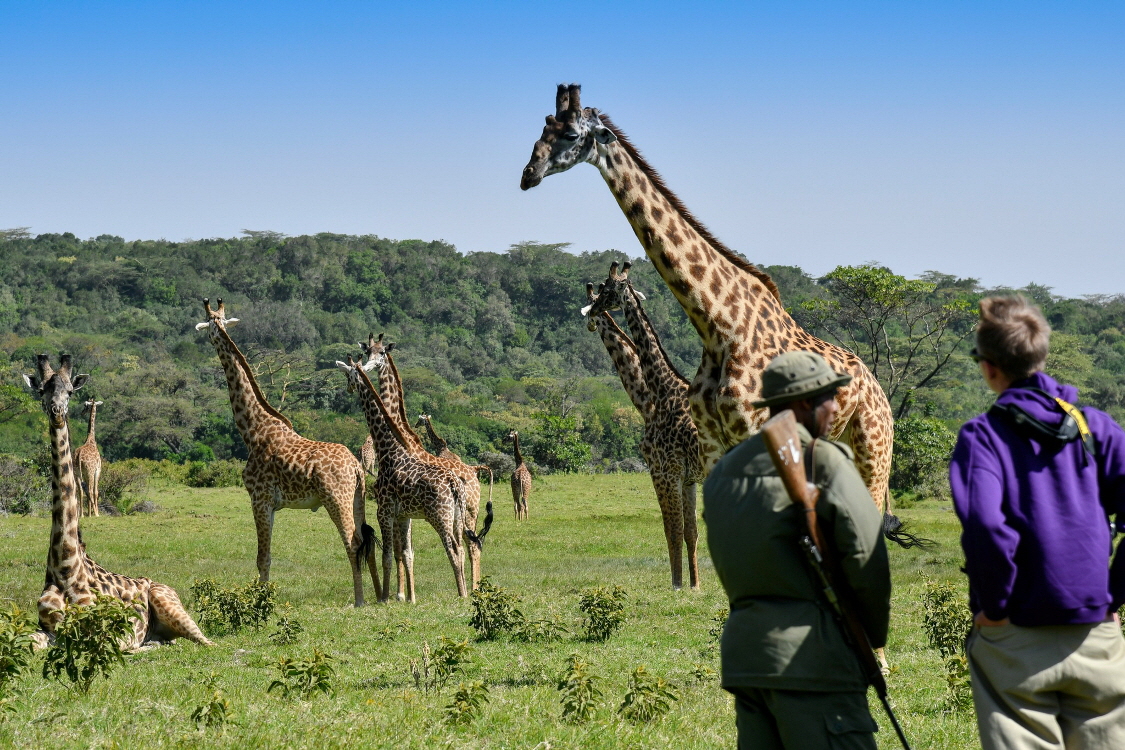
(905,330)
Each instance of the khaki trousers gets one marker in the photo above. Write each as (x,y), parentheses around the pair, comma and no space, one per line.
(1041,688)
(802,720)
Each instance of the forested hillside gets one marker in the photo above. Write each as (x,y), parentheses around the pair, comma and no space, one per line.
(486,341)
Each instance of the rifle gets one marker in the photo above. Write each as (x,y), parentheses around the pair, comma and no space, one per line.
(784,446)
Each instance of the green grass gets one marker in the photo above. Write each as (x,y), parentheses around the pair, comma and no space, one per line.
(584,531)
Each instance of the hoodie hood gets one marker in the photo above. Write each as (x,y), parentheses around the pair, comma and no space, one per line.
(1042,407)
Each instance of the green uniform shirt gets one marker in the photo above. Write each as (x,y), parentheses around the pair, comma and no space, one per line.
(781,634)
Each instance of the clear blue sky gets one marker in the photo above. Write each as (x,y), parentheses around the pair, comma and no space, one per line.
(980,139)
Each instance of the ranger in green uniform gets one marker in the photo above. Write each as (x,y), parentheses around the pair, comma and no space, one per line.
(796,683)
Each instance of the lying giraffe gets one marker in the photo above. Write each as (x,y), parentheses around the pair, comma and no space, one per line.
(89,463)
(670,444)
(286,470)
(72,577)
(409,487)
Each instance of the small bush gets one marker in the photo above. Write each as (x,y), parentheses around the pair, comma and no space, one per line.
(22,486)
(226,473)
(502,464)
(214,711)
(88,642)
(437,666)
(546,630)
(122,487)
(288,629)
(305,677)
(604,609)
(947,622)
(579,691)
(648,697)
(494,611)
(467,703)
(227,610)
(703,673)
(15,646)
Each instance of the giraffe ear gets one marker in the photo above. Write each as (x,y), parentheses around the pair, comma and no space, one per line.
(586,310)
(98,403)
(229,322)
(640,296)
(201,326)
(603,135)
(79,381)
(32,382)
(388,347)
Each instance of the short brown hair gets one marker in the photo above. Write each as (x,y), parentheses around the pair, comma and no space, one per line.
(1013,335)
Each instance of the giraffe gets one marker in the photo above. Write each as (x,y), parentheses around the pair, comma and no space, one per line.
(72,577)
(367,457)
(286,470)
(89,464)
(521,479)
(408,486)
(436,441)
(390,390)
(734,306)
(670,444)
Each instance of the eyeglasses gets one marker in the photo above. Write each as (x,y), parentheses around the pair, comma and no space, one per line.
(976,356)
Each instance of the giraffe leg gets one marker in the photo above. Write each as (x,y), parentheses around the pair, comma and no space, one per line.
(668,491)
(171,618)
(83,495)
(405,554)
(390,549)
(345,525)
(691,533)
(95,491)
(263,522)
(450,541)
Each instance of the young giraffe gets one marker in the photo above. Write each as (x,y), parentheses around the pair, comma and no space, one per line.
(670,444)
(285,470)
(89,462)
(733,305)
(72,577)
(367,457)
(521,479)
(390,390)
(437,442)
(409,487)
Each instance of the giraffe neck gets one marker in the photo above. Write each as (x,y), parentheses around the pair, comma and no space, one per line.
(436,439)
(626,361)
(516,444)
(65,558)
(389,442)
(391,393)
(662,377)
(710,281)
(90,426)
(253,415)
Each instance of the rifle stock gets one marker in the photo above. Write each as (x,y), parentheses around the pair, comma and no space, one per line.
(784,445)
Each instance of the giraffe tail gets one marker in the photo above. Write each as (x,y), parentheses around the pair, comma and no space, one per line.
(894,529)
(478,539)
(368,542)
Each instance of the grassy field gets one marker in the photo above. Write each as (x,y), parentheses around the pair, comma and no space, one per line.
(584,531)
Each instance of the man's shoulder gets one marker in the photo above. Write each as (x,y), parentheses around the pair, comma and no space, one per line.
(744,452)
(831,453)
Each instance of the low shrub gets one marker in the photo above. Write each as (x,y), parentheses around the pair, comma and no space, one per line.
(305,677)
(467,703)
(214,711)
(226,473)
(545,630)
(227,610)
(122,487)
(22,486)
(502,464)
(88,642)
(15,647)
(288,629)
(947,622)
(494,611)
(648,697)
(604,610)
(579,691)
(437,666)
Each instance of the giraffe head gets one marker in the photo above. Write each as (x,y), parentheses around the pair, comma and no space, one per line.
(376,352)
(512,435)
(423,421)
(611,293)
(216,318)
(571,135)
(351,372)
(90,405)
(54,387)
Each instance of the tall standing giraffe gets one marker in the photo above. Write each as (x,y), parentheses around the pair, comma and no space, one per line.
(89,463)
(733,305)
(409,487)
(72,577)
(670,444)
(286,470)
(391,392)
(437,442)
(521,479)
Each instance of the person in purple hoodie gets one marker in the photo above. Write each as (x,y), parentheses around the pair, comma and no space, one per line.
(1037,484)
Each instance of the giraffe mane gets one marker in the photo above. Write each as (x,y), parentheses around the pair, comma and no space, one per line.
(689,217)
(241,359)
(656,340)
(402,401)
(383,408)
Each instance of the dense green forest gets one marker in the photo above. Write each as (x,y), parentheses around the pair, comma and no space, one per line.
(485,341)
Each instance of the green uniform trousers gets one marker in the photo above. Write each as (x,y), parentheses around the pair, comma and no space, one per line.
(1049,687)
(802,720)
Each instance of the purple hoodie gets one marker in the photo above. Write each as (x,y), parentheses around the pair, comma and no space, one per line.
(1035,531)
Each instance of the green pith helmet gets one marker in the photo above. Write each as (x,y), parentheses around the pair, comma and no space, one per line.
(796,375)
